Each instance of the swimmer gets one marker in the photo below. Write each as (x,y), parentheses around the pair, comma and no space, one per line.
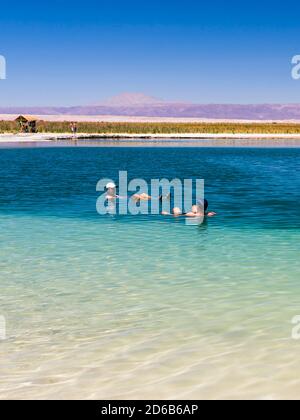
(111,191)
(146,197)
(203,205)
(208,213)
(198,210)
(176,212)
(141,197)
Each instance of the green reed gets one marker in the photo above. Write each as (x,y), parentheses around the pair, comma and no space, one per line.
(158,128)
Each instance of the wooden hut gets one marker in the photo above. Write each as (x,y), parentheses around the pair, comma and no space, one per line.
(28,124)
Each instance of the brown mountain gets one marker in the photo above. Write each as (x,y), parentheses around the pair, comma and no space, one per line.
(131,99)
(140,105)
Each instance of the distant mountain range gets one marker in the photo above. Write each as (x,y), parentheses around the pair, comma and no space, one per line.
(131,99)
(140,105)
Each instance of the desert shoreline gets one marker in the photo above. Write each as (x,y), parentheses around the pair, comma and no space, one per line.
(146,119)
(53,137)
(52,128)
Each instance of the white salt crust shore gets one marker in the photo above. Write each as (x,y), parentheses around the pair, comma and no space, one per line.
(52,137)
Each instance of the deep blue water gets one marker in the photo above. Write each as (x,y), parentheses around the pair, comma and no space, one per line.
(246,187)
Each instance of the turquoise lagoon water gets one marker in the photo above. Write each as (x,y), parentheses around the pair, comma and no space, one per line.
(145,306)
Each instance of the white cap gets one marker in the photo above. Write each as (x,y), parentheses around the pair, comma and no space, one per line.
(111,185)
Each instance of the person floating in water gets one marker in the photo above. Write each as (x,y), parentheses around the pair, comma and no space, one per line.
(111,188)
(146,197)
(198,210)
(111,191)
(141,197)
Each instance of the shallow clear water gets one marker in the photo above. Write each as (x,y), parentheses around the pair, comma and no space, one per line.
(145,306)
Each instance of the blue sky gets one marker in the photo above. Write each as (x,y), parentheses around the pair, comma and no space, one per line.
(72,53)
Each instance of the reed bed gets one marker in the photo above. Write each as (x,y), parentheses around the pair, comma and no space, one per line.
(158,128)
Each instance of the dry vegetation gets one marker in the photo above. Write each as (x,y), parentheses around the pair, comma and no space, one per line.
(159,128)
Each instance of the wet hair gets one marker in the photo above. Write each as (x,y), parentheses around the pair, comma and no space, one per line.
(203,203)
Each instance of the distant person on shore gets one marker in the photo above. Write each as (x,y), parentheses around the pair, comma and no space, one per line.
(22,128)
(73,127)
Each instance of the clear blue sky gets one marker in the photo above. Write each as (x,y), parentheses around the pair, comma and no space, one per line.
(71,53)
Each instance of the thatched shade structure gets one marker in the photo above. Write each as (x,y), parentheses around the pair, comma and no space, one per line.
(28,123)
